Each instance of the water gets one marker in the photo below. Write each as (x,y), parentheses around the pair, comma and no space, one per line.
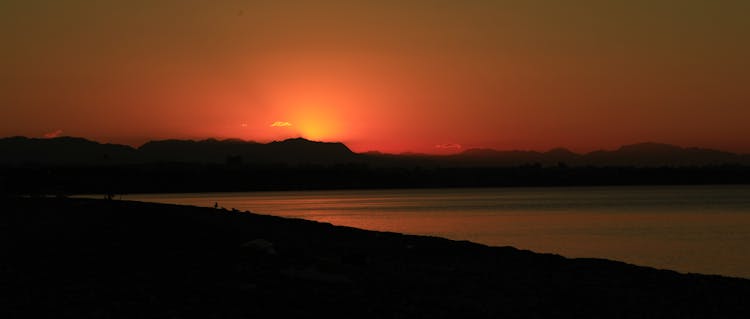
(703,229)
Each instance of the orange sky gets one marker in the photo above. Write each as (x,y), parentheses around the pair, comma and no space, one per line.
(385,75)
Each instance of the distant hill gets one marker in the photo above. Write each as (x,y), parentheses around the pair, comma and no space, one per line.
(63,150)
(291,151)
(638,155)
(656,154)
(72,150)
(298,151)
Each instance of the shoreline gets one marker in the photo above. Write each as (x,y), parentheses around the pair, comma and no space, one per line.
(573,222)
(125,258)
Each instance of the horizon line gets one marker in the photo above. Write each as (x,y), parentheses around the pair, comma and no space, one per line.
(457,151)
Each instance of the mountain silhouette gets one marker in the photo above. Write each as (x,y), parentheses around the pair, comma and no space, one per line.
(491,157)
(299,151)
(206,151)
(63,150)
(291,151)
(638,155)
(73,150)
(657,154)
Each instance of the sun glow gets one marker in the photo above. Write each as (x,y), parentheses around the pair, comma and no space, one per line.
(317,125)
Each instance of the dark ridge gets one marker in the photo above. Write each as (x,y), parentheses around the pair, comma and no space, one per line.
(79,151)
(561,151)
(67,165)
(657,154)
(490,157)
(291,151)
(78,258)
(185,151)
(63,150)
(299,151)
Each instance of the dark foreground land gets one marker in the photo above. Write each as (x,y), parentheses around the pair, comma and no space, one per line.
(75,258)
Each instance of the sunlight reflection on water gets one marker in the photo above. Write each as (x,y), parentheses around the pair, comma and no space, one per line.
(702,229)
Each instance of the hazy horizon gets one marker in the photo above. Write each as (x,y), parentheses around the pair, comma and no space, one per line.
(446,151)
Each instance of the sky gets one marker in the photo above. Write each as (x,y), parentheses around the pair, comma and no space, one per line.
(394,76)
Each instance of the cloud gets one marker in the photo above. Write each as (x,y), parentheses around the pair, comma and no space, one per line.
(281,124)
(449,146)
(53,134)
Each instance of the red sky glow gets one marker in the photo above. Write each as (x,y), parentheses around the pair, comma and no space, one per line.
(391,76)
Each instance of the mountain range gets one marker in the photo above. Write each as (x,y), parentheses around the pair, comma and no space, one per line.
(299,151)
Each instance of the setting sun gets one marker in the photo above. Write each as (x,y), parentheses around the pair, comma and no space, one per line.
(317,123)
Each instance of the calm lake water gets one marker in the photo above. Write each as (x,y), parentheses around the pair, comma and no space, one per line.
(704,229)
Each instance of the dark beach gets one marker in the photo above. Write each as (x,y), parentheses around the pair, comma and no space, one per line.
(79,258)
